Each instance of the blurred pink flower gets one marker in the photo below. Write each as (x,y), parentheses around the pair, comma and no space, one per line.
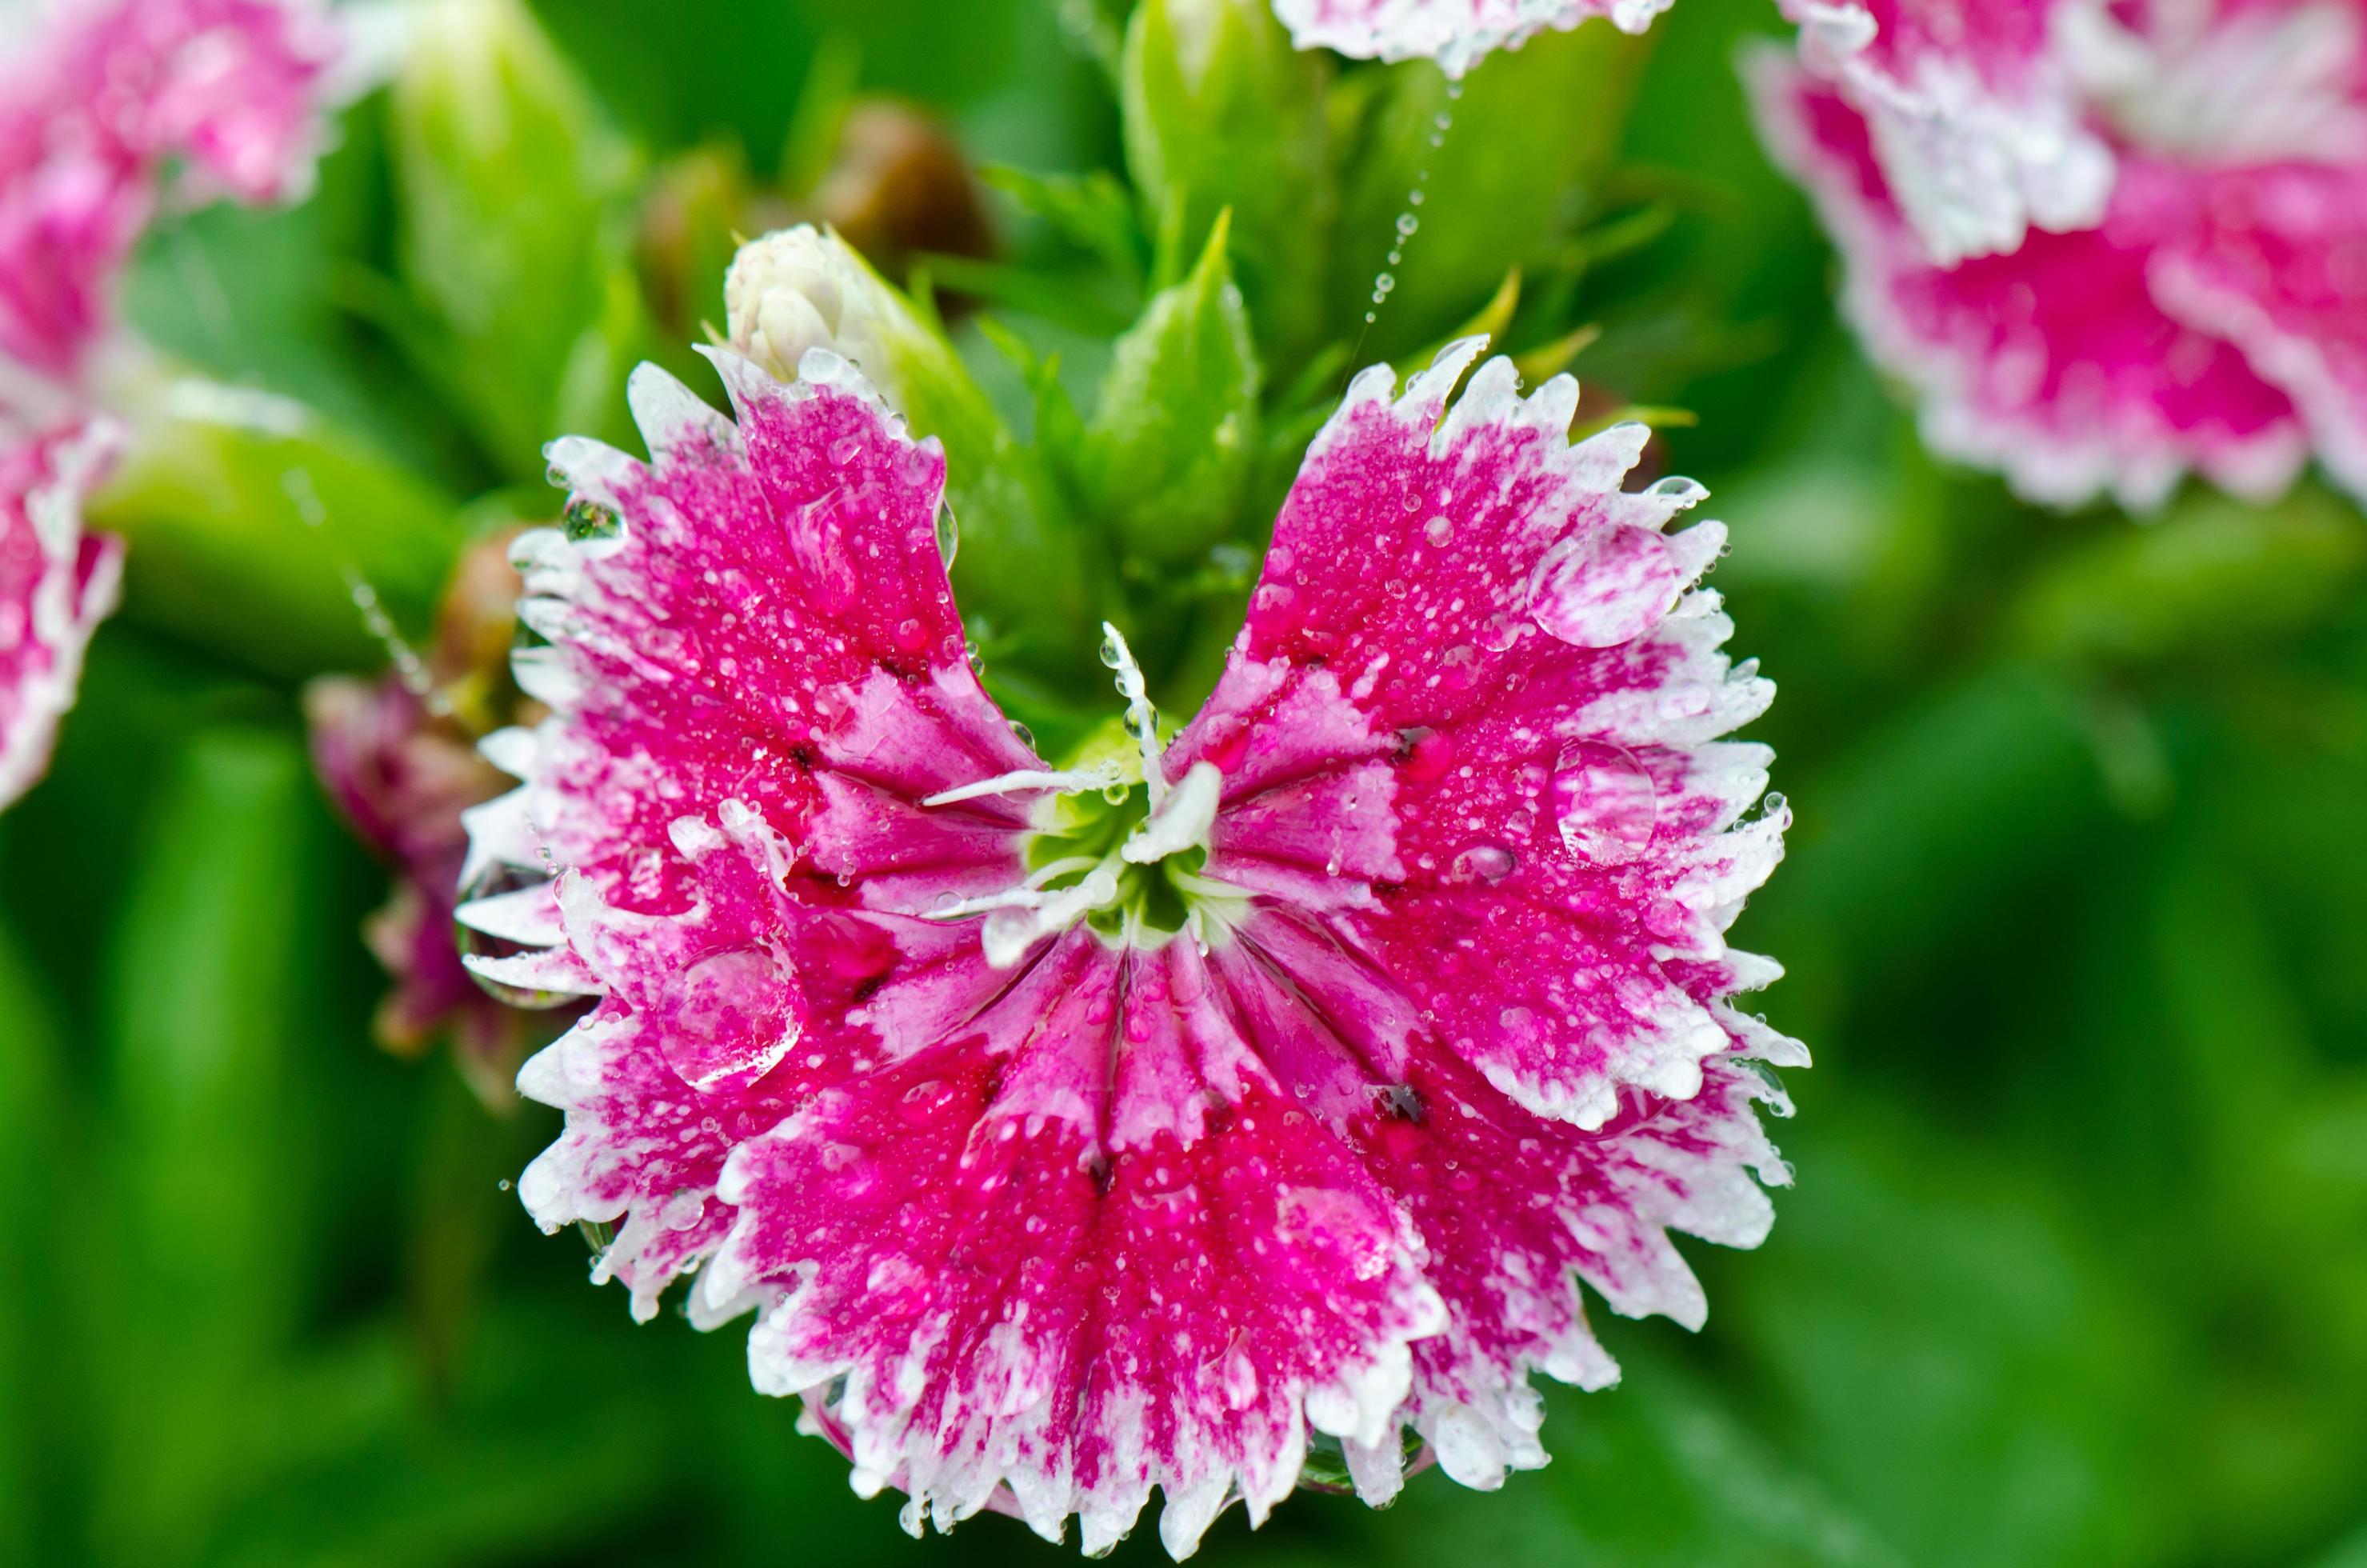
(56,585)
(401,776)
(1171,1119)
(1457,33)
(97,109)
(2209,315)
(94,107)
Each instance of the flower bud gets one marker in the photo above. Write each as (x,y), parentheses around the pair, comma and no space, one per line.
(267,533)
(1021,573)
(1220,112)
(1498,174)
(1176,429)
(898,186)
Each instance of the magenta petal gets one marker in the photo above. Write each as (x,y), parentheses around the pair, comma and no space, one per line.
(1044,1217)
(1511,616)
(2275,262)
(1974,112)
(2052,363)
(56,585)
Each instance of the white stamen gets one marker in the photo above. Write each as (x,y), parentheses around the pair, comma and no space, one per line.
(1011,931)
(1182,821)
(1074,781)
(1142,718)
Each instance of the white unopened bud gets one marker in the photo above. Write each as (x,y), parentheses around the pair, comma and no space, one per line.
(804,288)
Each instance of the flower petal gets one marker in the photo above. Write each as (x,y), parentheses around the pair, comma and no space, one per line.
(2052,363)
(56,585)
(1475,748)
(1973,112)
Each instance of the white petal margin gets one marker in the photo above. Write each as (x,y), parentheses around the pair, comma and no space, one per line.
(43,633)
(1974,164)
(1457,34)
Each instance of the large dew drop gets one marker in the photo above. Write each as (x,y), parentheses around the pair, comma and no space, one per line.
(730,1024)
(1603,800)
(1606,586)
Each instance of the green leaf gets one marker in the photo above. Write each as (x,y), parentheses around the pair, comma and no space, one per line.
(1509,177)
(1658,1472)
(254,523)
(512,226)
(1176,430)
(1091,210)
(42,1197)
(1221,113)
(1950,1357)
(203,1133)
(2213,572)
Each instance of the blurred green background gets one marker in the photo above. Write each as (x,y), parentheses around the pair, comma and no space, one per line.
(2075,1272)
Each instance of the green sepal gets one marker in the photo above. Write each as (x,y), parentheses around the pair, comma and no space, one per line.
(1176,429)
(512,230)
(1220,112)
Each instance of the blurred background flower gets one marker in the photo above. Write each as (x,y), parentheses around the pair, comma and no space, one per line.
(2075,1270)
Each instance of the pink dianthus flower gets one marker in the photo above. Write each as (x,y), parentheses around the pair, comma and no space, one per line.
(95,107)
(2197,303)
(1202,1109)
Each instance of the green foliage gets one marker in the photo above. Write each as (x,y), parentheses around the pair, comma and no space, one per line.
(1175,428)
(2075,1272)
(1223,115)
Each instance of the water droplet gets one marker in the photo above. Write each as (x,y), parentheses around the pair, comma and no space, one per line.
(730,1020)
(1407,224)
(1604,587)
(476,944)
(1439,530)
(1603,800)
(588,520)
(1371,316)
(1112,652)
(909,636)
(1490,863)
(844,451)
(974,657)
(1499,633)
(1414,198)
(948,533)
(503,1184)
(1115,794)
(817,538)
(1274,596)
(1023,735)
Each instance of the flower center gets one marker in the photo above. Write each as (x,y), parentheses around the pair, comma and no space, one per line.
(1117,845)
